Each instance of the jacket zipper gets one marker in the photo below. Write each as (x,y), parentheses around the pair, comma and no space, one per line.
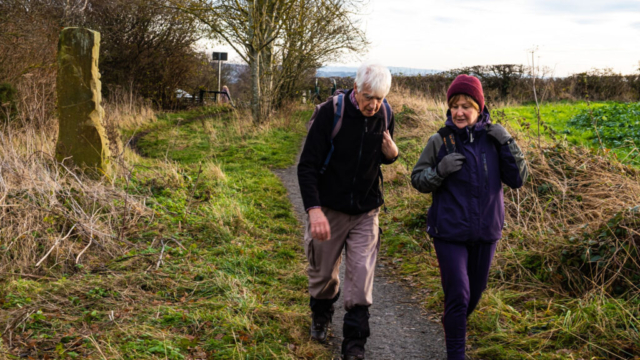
(358,163)
(486,171)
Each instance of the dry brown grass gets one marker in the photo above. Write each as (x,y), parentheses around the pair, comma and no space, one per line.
(52,218)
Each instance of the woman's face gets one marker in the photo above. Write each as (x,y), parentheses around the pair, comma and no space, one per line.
(463,113)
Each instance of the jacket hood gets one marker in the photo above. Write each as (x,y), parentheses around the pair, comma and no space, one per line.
(484,119)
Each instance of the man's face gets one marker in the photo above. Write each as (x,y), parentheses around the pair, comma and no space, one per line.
(368,102)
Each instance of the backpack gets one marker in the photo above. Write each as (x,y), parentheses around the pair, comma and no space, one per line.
(449,140)
(338,110)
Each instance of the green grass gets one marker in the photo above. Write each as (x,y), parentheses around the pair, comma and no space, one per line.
(231,284)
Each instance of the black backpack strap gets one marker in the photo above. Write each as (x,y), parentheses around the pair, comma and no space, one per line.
(381,177)
(449,140)
(337,124)
(386,109)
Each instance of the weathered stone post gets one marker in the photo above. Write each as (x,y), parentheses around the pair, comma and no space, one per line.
(81,137)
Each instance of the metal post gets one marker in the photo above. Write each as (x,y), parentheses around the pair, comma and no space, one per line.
(219,57)
(219,74)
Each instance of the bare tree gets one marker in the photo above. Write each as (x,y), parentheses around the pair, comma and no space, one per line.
(144,46)
(318,32)
(535,95)
(249,26)
(279,39)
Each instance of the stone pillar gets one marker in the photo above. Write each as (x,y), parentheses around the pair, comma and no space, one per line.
(82,137)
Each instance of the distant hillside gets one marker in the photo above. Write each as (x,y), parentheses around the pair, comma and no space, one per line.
(344,71)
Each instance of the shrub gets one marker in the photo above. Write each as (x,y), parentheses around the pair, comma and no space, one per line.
(7,101)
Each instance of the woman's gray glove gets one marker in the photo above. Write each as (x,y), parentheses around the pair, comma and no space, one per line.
(499,133)
(450,164)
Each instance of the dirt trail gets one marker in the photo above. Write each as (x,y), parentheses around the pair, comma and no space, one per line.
(399,328)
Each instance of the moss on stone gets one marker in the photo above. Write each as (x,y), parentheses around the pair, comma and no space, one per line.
(81,138)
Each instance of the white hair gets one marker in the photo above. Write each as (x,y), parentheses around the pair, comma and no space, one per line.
(375,77)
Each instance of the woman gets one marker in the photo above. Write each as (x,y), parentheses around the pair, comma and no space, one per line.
(464,166)
(225,97)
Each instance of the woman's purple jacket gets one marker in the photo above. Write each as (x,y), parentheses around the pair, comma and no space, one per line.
(468,205)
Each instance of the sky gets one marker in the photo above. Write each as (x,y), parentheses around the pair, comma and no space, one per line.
(569,36)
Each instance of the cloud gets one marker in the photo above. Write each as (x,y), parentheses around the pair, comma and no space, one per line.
(589,21)
(587,6)
(444,20)
(400,11)
(573,35)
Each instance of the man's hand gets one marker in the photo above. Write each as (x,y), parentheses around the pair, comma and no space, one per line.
(320,229)
(389,148)
(499,133)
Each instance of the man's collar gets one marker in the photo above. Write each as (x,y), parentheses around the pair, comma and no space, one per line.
(352,97)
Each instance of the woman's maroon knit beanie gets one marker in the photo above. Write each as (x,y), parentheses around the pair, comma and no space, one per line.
(469,85)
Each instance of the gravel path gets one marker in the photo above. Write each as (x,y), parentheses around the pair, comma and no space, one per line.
(399,328)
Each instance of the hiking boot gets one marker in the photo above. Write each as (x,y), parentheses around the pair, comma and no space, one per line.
(353,348)
(354,357)
(320,325)
(354,354)
(319,330)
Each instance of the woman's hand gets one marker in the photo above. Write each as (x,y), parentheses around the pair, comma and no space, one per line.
(320,229)
(450,164)
(389,148)
(499,133)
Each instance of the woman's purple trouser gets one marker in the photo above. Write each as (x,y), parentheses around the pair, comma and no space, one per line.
(464,271)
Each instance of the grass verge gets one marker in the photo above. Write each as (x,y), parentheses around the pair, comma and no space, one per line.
(209,266)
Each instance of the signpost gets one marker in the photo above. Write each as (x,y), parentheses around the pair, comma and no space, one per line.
(219,57)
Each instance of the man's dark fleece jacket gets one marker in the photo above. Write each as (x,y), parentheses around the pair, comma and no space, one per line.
(351,181)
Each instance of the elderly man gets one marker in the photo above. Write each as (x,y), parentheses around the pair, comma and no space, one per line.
(340,181)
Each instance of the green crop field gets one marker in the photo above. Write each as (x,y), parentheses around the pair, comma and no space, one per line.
(612,127)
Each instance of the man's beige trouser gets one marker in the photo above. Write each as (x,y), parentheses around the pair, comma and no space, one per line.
(359,236)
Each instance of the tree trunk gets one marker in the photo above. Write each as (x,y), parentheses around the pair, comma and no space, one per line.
(267,71)
(254,64)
